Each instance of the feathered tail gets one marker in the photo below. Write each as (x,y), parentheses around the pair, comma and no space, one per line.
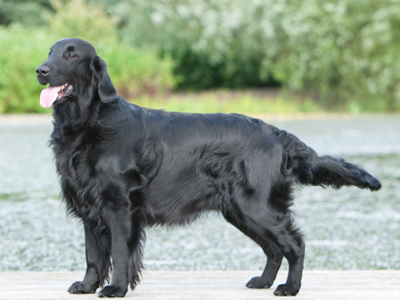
(310,169)
(335,172)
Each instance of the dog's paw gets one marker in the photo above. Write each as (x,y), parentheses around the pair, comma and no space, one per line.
(112,291)
(81,288)
(285,290)
(258,283)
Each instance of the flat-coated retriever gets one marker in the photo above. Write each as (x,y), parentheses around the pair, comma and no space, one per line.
(123,168)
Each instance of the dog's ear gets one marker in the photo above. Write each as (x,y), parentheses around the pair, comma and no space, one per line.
(105,87)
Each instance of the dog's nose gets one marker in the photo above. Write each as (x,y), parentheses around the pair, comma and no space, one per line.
(42,71)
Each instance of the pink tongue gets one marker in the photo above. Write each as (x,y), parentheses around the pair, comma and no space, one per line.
(49,95)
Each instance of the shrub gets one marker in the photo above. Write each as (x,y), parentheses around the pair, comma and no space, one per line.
(212,42)
(79,19)
(137,73)
(22,51)
(344,51)
(25,12)
(134,72)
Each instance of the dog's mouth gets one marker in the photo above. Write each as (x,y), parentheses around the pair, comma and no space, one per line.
(52,93)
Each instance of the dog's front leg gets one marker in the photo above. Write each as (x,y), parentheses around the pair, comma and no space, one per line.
(98,263)
(119,227)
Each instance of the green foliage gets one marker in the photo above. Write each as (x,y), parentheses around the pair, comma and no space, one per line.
(211,41)
(344,51)
(25,12)
(87,21)
(137,73)
(134,72)
(22,51)
(227,101)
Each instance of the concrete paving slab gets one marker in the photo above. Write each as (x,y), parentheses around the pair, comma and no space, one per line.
(219,285)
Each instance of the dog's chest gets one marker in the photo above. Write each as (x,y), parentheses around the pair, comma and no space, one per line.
(72,156)
(79,182)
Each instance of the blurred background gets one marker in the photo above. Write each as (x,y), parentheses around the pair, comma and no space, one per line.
(327,71)
(261,56)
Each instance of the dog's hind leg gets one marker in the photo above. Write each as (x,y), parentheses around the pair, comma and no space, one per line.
(274,260)
(291,245)
(278,237)
(274,256)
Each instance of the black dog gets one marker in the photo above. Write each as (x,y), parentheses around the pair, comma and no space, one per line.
(123,168)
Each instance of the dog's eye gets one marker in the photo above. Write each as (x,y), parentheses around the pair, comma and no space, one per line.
(71,55)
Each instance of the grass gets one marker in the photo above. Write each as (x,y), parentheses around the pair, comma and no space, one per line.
(14,197)
(248,102)
(256,102)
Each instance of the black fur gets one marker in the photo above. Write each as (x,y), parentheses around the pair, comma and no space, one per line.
(123,168)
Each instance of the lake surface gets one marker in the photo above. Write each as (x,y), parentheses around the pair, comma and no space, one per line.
(345,229)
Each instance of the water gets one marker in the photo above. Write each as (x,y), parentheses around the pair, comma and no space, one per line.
(345,229)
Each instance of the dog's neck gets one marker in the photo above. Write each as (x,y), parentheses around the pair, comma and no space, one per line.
(71,116)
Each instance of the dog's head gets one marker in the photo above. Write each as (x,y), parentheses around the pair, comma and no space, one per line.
(73,69)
